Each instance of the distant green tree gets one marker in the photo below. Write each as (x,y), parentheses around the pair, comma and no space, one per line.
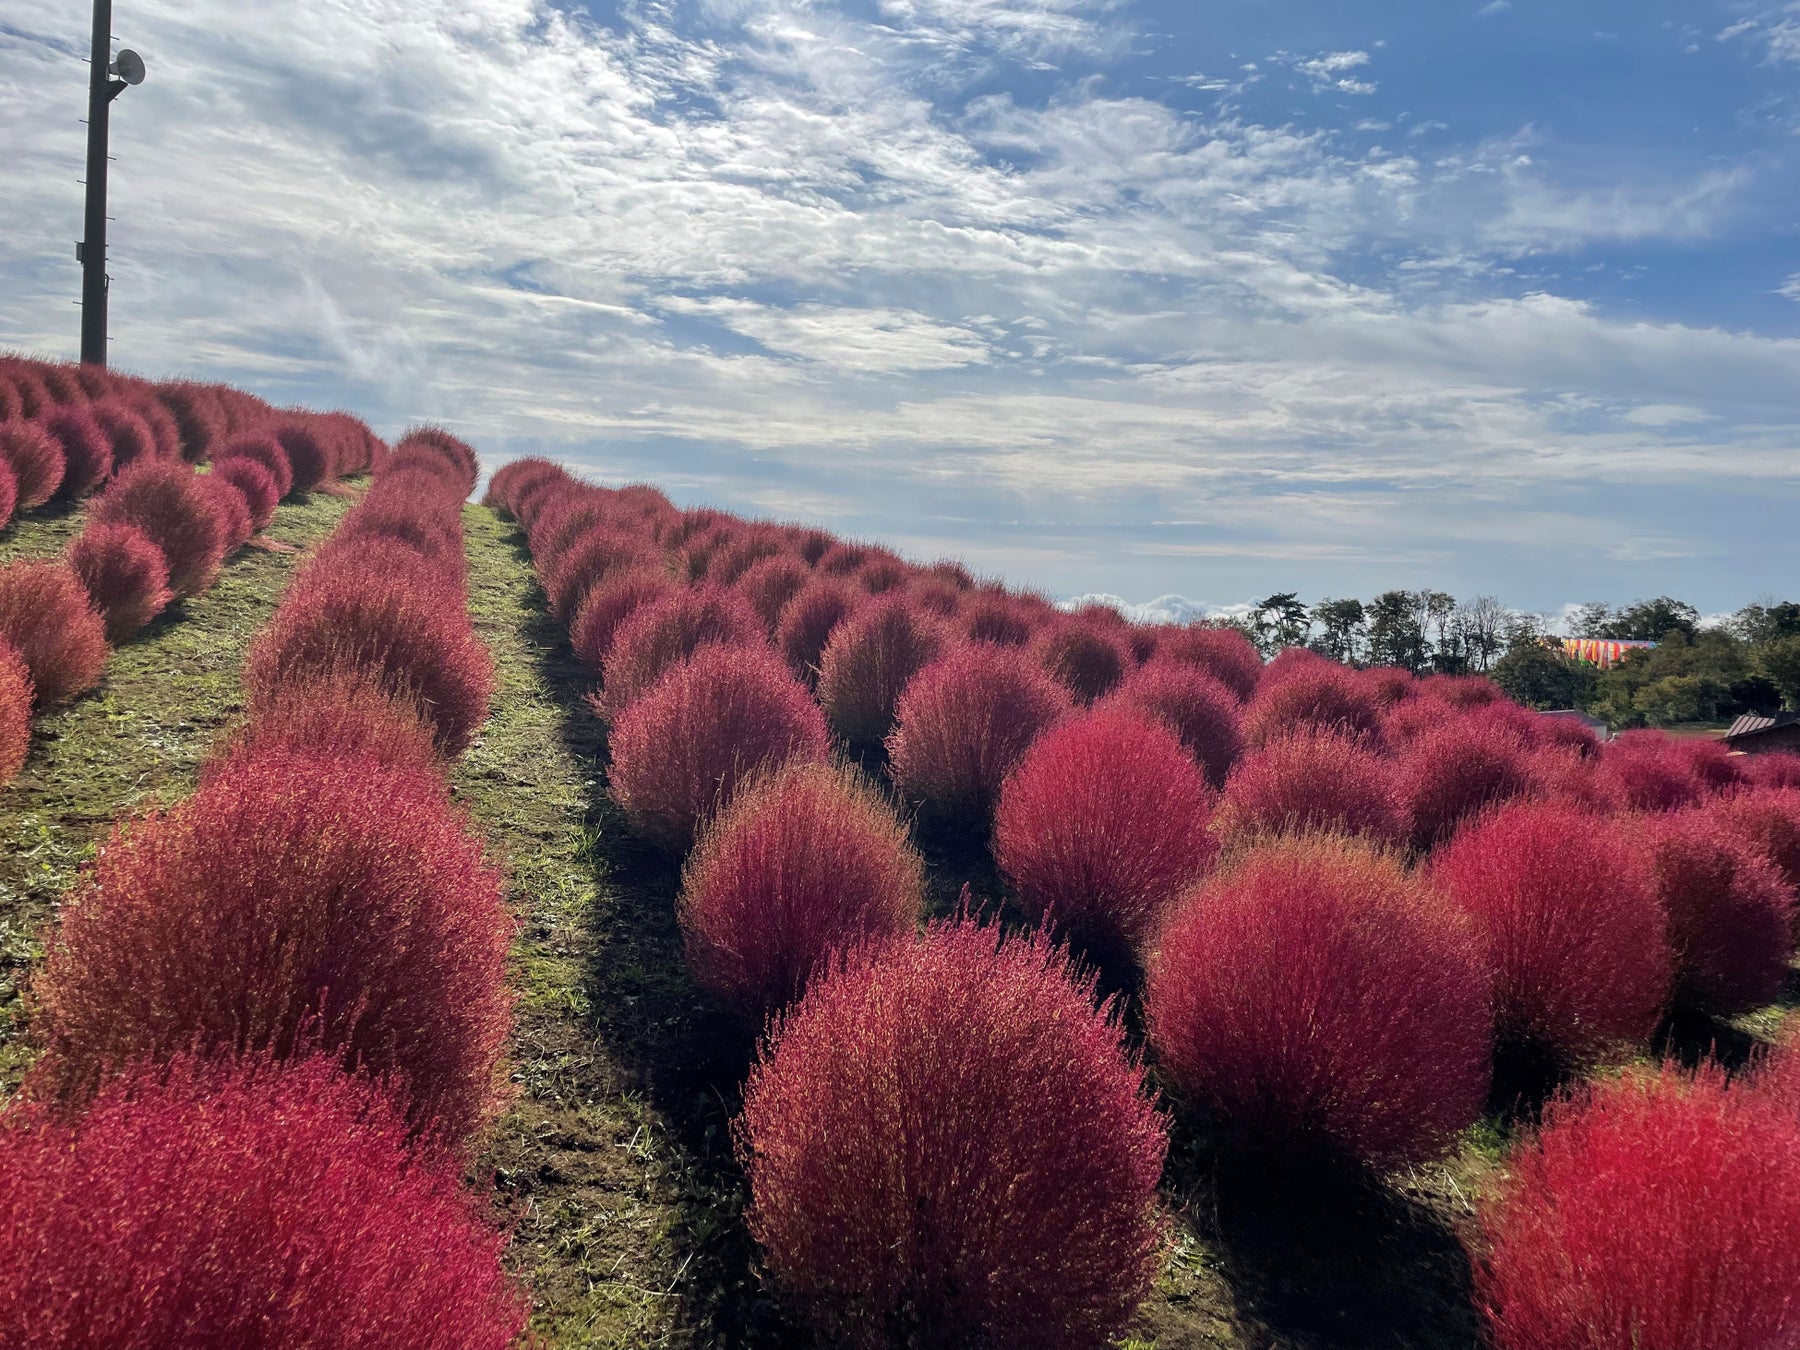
(1778,662)
(1481,626)
(1731,684)
(1340,624)
(1591,620)
(1396,630)
(1540,676)
(1760,623)
(1280,621)
(1675,699)
(1651,621)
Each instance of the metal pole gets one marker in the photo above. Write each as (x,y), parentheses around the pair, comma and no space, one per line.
(101,93)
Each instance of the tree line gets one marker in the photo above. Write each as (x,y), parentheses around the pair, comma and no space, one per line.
(1697,672)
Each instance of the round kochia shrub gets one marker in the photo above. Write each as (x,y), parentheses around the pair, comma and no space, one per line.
(128,436)
(87,453)
(294,902)
(9,493)
(1769,818)
(46,616)
(609,603)
(345,715)
(36,460)
(167,501)
(399,623)
(666,632)
(1223,653)
(1311,782)
(1652,1212)
(1199,709)
(947,1146)
(870,658)
(308,454)
(1321,697)
(15,713)
(963,724)
(1101,826)
(680,750)
(803,863)
(1085,656)
(265,450)
(770,583)
(124,574)
(217,1205)
(1457,769)
(255,484)
(808,621)
(1317,1000)
(1774,769)
(1651,771)
(1731,915)
(1566,904)
(229,506)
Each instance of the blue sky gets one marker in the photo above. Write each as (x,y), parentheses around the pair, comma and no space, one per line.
(1120,296)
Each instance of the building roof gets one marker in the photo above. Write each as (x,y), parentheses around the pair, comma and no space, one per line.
(1751,725)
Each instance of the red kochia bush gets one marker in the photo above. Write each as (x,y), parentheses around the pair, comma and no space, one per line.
(868,661)
(1457,769)
(232,510)
(513,479)
(1311,781)
(255,484)
(1317,999)
(292,902)
(1194,705)
(197,413)
(220,1205)
(9,493)
(399,623)
(1730,914)
(1653,1212)
(666,632)
(128,436)
(308,454)
(947,1146)
(1329,697)
(265,450)
(125,576)
(963,724)
(996,617)
(87,453)
(1773,769)
(451,450)
(1224,653)
(590,559)
(46,616)
(609,603)
(347,715)
(36,460)
(1566,904)
(1770,819)
(1087,657)
(1102,825)
(166,501)
(805,862)
(680,750)
(1651,771)
(809,620)
(15,712)
(770,583)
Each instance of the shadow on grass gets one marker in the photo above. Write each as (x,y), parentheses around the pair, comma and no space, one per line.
(687,1056)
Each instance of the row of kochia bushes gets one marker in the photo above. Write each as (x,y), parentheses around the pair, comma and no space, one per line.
(155,530)
(1341,897)
(273,1014)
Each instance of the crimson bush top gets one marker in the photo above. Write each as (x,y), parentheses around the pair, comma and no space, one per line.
(946,1145)
(1224,653)
(1102,825)
(217,1208)
(168,503)
(1196,706)
(47,617)
(1567,906)
(36,460)
(667,631)
(867,662)
(1308,782)
(1085,655)
(1731,914)
(1327,697)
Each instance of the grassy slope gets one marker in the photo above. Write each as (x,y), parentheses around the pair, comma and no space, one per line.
(141,734)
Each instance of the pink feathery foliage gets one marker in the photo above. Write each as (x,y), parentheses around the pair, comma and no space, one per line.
(16,698)
(408,521)
(197,415)
(842,559)
(609,603)
(962,725)
(255,484)
(165,499)
(1102,825)
(36,460)
(1651,771)
(216,1206)
(1301,661)
(345,715)
(125,575)
(292,903)
(868,660)
(264,449)
(1315,998)
(1775,769)
(435,447)
(405,627)
(87,453)
(1649,1212)
(769,583)
(1085,656)
(1463,691)
(994,616)
(589,560)
(665,632)
(1710,764)
(9,493)
(1570,735)
(753,545)
(516,478)
(230,507)
(128,436)
(308,452)
(1563,775)
(1312,782)
(1459,769)
(882,574)
(1391,685)
(680,750)
(48,619)
(1566,903)
(1770,819)
(165,432)
(947,1144)
(1731,914)
(808,622)
(804,862)
(1325,697)
(1197,707)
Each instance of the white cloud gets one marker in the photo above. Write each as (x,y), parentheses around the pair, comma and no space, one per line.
(1330,70)
(1163,609)
(854,340)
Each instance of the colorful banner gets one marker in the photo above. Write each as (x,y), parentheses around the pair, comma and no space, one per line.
(1602,652)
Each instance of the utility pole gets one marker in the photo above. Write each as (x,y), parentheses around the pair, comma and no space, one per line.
(106,81)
